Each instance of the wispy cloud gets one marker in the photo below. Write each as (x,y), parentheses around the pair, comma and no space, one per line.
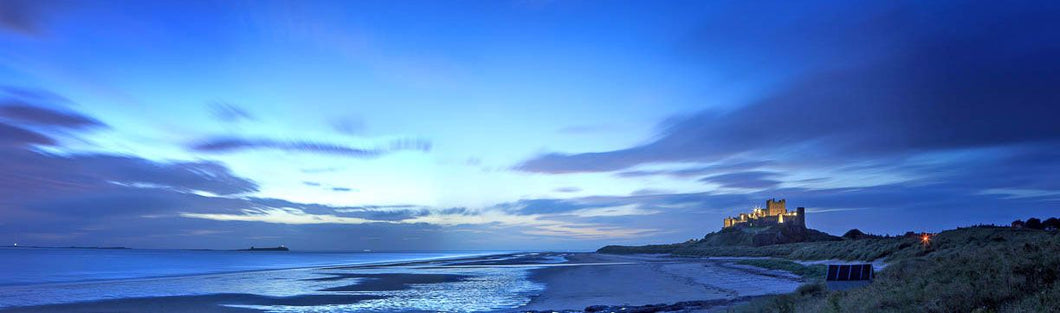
(1022,193)
(24,113)
(16,136)
(533,224)
(699,171)
(567,189)
(233,144)
(622,210)
(281,216)
(901,93)
(23,16)
(750,179)
(320,170)
(349,125)
(229,113)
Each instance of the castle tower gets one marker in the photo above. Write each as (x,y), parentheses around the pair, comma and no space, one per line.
(774,207)
(774,213)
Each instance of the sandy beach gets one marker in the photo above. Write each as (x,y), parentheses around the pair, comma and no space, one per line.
(557,281)
(643,280)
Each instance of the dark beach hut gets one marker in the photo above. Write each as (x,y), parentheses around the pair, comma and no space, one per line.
(846,276)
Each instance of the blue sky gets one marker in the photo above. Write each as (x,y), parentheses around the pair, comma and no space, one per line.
(516,124)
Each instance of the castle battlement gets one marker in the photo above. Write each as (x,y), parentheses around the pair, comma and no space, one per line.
(775,212)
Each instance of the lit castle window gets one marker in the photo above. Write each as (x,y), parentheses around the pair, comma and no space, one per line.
(774,213)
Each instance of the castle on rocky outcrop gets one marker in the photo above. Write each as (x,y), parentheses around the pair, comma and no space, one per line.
(774,213)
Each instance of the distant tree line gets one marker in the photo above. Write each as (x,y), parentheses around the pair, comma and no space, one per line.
(1051,223)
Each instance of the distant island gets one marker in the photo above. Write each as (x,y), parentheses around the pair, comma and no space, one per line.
(280,248)
(983,268)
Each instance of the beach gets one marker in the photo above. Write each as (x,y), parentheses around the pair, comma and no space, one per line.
(496,283)
(601,279)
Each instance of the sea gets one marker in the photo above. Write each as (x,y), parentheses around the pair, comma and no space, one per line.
(43,276)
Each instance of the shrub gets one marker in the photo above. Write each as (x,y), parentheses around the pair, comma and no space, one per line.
(1052,222)
(812,272)
(1034,223)
(812,289)
(854,234)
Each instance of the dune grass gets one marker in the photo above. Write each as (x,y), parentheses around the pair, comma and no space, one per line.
(809,272)
(979,269)
(975,269)
(735,243)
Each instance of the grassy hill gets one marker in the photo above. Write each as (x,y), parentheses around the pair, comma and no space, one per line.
(975,269)
(732,241)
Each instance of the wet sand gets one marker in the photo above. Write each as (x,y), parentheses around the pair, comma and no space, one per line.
(643,280)
(216,303)
(572,281)
(232,302)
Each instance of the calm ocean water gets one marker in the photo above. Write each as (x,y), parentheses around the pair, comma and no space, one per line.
(37,276)
(19,266)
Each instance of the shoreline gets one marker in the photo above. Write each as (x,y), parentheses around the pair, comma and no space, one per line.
(250,271)
(192,297)
(657,281)
(568,282)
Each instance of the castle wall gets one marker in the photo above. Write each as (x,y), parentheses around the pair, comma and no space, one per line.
(775,213)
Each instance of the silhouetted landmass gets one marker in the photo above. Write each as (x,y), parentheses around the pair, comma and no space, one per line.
(857,234)
(1051,223)
(733,237)
(280,248)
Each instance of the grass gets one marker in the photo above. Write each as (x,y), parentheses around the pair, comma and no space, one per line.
(976,269)
(809,272)
(865,249)
(979,269)
(735,243)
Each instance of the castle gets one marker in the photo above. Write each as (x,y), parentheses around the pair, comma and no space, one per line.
(774,213)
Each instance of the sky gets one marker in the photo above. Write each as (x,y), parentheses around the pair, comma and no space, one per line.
(517,125)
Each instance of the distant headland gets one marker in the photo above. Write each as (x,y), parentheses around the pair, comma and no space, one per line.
(280,248)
